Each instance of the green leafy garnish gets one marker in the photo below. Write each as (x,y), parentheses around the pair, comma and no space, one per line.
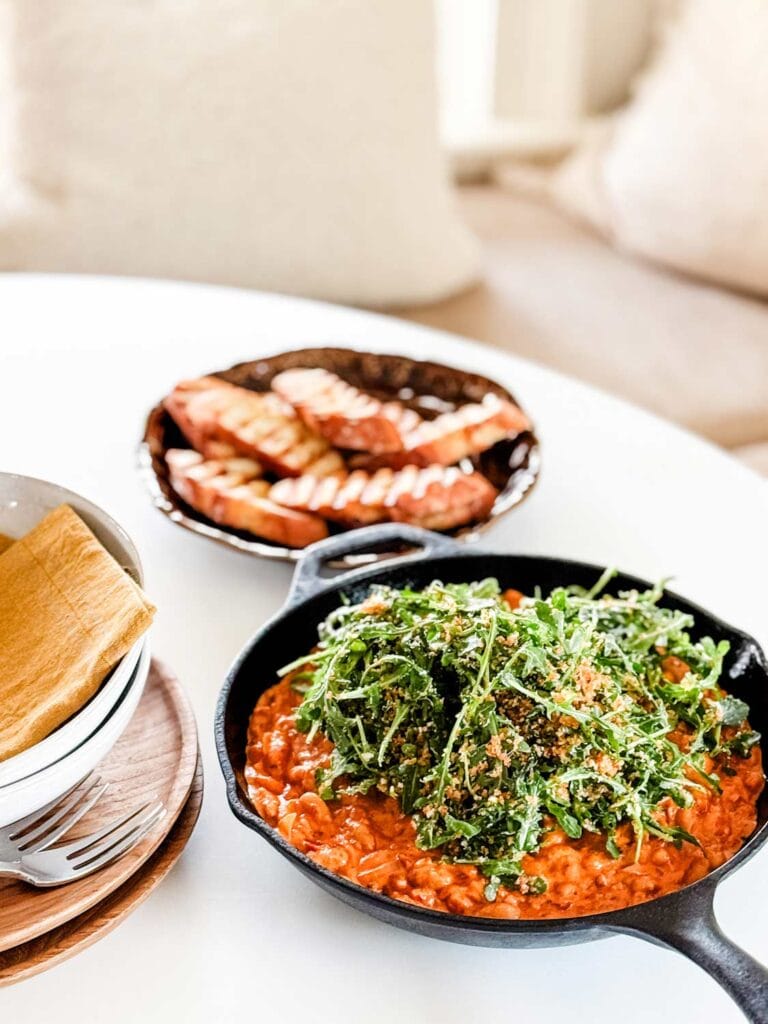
(494,725)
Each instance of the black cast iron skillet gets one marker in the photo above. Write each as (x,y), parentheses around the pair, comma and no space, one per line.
(683,920)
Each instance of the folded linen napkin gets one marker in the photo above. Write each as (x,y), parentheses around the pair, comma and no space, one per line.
(5,542)
(68,613)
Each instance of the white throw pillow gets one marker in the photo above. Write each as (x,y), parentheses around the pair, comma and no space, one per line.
(289,145)
(681,175)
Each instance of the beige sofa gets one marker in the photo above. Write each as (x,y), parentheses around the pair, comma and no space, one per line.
(557,294)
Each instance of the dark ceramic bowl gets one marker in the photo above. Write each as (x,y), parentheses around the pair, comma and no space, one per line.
(512,465)
(683,920)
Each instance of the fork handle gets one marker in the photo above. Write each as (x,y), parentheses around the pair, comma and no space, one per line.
(13,870)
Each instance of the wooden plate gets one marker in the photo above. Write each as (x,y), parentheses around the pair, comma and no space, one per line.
(155,757)
(61,943)
(512,465)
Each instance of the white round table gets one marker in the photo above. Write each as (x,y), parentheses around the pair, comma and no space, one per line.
(235,933)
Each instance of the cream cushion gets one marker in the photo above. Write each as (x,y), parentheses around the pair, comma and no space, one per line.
(755,456)
(286,145)
(558,294)
(681,175)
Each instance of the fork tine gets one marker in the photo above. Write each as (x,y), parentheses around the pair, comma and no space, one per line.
(96,840)
(23,825)
(116,851)
(63,822)
(118,844)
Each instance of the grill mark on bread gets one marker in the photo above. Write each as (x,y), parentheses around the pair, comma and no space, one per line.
(232,493)
(220,420)
(453,436)
(346,416)
(435,497)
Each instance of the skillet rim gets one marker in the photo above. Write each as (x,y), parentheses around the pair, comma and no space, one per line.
(621,919)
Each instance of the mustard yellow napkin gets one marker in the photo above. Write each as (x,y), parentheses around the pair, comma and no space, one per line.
(68,613)
(5,542)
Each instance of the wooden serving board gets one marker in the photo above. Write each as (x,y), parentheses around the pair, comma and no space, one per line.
(156,757)
(61,943)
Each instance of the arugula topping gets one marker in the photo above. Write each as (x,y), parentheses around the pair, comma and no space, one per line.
(493,725)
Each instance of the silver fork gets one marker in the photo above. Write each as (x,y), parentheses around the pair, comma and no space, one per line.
(26,846)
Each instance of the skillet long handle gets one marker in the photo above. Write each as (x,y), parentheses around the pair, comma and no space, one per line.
(742,977)
(691,928)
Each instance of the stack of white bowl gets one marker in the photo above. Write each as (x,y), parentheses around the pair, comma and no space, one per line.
(50,768)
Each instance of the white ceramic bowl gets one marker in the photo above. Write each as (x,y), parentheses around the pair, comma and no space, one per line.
(24,501)
(27,795)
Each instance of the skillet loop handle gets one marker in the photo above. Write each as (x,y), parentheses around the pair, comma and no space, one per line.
(689,925)
(369,540)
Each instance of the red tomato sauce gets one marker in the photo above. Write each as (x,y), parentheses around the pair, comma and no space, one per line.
(368,840)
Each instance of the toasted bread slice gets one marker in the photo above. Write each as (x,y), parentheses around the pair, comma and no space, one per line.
(473,428)
(344,415)
(437,497)
(441,497)
(196,430)
(231,493)
(221,420)
(453,436)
